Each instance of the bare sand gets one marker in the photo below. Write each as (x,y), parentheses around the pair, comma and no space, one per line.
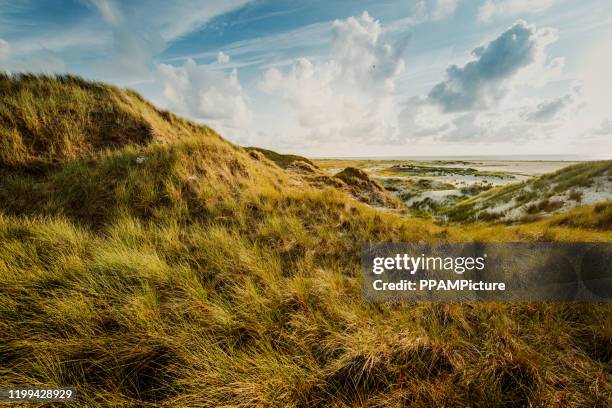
(525,168)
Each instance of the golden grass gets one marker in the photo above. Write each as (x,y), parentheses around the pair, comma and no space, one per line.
(201,277)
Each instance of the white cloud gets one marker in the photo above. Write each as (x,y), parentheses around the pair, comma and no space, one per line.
(132,49)
(470,103)
(597,88)
(41,60)
(428,10)
(140,32)
(512,121)
(5,50)
(82,35)
(204,92)
(443,9)
(109,11)
(175,19)
(550,109)
(596,71)
(485,80)
(172,20)
(307,87)
(351,95)
(420,119)
(604,128)
(497,8)
(222,58)
(270,47)
(365,60)
(124,37)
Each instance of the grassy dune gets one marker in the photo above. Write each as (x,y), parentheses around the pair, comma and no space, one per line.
(530,200)
(148,262)
(282,160)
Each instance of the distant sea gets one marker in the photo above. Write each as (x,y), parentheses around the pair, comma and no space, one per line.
(517,157)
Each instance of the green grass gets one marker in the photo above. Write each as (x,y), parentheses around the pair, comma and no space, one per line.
(598,217)
(361,186)
(429,170)
(534,194)
(202,276)
(282,160)
(415,184)
(40,128)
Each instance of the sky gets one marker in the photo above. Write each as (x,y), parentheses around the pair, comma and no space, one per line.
(344,78)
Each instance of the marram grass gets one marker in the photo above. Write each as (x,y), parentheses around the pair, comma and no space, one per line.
(177,270)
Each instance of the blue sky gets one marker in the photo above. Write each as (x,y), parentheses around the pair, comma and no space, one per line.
(344,78)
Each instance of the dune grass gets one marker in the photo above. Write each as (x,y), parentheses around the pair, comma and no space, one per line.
(282,160)
(533,194)
(185,272)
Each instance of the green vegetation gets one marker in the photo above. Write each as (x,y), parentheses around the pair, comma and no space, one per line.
(597,217)
(576,196)
(365,163)
(427,170)
(152,263)
(475,189)
(536,197)
(545,205)
(415,184)
(282,160)
(361,186)
(44,122)
(358,178)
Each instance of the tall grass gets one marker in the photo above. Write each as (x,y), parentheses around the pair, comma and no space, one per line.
(202,277)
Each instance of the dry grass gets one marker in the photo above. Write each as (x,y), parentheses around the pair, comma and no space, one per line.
(597,217)
(202,277)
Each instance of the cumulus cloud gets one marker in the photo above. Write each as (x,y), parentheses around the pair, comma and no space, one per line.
(470,103)
(512,122)
(349,95)
(206,93)
(482,82)
(307,88)
(497,8)
(364,59)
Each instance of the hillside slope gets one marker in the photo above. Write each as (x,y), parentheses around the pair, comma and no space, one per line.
(581,184)
(146,261)
(351,180)
(282,160)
